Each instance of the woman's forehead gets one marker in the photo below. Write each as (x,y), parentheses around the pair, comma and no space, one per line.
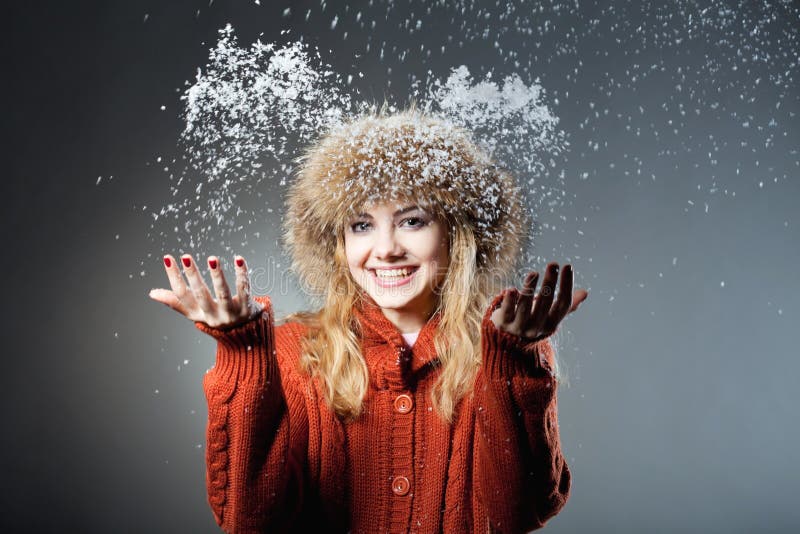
(390,207)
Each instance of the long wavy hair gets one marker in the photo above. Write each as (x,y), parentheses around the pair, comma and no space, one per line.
(485,224)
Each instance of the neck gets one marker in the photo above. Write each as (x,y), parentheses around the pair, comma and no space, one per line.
(408,321)
(405,322)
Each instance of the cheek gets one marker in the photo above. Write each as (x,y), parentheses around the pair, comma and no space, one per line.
(356,251)
(437,250)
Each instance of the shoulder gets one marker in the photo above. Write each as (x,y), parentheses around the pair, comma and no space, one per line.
(290,333)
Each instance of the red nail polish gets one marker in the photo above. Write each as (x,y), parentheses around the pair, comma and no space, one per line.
(239,262)
(167,262)
(187,262)
(212,264)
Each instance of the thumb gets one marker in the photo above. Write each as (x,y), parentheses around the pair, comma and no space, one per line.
(168,298)
(577,299)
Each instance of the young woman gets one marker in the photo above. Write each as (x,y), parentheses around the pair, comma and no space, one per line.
(421,396)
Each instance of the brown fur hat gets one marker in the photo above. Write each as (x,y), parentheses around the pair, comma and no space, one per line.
(402,156)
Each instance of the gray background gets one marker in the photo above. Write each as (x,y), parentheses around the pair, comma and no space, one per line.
(681,408)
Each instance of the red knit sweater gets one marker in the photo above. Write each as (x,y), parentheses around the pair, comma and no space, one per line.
(280,460)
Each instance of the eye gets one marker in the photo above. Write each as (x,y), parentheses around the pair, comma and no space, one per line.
(359,227)
(413,222)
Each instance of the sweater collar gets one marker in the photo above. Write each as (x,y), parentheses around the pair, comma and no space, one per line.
(378,332)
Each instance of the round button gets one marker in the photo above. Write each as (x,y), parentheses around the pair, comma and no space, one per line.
(400,486)
(403,403)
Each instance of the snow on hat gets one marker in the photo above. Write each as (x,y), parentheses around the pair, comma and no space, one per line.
(403,156)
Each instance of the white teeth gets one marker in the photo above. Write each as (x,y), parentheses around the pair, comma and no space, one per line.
(392,273)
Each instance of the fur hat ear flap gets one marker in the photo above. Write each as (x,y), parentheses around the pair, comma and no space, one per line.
(388,158)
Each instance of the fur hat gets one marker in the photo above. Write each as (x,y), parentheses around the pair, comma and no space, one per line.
(404,156)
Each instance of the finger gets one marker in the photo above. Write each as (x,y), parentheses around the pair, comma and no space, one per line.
(199,289)
(176,282)
(221,289)
(544,301)
(242,286)
(524,301)
(562,303)
(168,298)
(564,300)
(509,305)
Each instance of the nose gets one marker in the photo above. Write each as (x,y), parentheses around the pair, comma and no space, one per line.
(386,244)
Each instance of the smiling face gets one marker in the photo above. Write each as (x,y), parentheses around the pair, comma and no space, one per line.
(398,254)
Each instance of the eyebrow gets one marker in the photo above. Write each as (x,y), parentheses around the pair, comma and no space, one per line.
(396,213)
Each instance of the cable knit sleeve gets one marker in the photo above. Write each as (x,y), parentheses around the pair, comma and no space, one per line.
(522,478)
(254,475)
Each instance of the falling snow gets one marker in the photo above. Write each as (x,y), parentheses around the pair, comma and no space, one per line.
(251,111)
(703,90)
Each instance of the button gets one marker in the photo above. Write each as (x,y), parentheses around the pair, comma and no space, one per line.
(403,403)
(400,486)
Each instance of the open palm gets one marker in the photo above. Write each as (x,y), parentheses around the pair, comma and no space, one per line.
(536,317)
(194,299)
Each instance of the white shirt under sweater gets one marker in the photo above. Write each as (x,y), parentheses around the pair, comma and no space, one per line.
(410,338)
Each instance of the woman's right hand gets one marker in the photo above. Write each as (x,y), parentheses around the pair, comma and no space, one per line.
(195,301)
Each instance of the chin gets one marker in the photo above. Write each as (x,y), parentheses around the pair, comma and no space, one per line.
(393,302)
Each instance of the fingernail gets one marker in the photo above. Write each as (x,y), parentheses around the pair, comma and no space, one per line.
(167,262)
(240,262)
(186,262)
(212,264)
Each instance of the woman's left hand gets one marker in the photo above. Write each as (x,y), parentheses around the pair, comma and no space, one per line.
(536,317)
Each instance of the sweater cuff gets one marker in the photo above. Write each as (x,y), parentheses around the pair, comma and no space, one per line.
(506,355)
(245,352)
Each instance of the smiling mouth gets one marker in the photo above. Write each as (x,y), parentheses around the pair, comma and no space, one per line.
(393,274)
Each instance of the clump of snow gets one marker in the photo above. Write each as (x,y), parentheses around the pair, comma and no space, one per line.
(256,101)
(253,110)
(246,113)
(510,119)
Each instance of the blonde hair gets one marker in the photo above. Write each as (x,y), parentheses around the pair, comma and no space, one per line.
(484,235)
(331,348)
